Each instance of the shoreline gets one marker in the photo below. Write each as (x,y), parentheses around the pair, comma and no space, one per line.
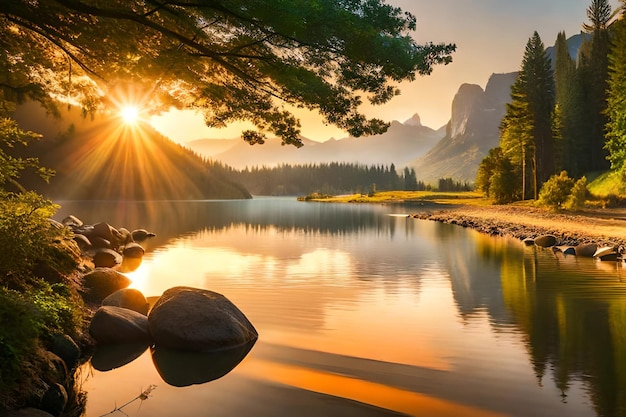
(605,227)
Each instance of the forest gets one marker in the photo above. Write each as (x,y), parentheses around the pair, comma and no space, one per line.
(566,118)
(331,178)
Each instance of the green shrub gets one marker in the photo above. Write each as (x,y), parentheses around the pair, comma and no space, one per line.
(555,192)
(578,195)
(27,239)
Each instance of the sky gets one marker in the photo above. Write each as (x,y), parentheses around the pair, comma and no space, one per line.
(490,36)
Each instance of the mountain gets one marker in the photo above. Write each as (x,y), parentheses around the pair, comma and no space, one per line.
(470,133)
(100,158)
(402,143)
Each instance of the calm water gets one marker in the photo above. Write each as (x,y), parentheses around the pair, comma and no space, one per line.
(364,312)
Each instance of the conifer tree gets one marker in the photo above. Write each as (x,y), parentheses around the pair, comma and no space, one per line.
(616,102)
(593,66)
(569,110)
(526,130)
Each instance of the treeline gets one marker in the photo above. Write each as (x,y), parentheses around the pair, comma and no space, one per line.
(330,178)
(566,115)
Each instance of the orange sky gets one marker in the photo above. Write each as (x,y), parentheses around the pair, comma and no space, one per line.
(490,36)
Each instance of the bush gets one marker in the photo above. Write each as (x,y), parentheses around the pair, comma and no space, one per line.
(555,192)
(28,240)
(578,195)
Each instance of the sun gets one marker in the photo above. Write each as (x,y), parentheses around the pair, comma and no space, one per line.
(130,114)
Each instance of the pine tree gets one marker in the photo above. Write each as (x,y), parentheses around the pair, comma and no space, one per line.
(616,102)
(527,137)
(569,116)
(593,64)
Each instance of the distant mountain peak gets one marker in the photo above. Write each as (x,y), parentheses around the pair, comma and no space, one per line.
(415,120)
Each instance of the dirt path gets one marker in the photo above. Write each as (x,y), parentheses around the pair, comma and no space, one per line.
(602,226)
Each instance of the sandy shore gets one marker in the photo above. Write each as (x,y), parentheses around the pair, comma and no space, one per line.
(606,227)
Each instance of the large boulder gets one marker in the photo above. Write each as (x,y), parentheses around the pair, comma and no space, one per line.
(194,319)
(129,298)
(102,282)
(113,324)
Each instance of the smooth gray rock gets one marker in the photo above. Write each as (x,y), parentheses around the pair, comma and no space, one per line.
(194,319)
(129,298)
(102,282)
(113,324)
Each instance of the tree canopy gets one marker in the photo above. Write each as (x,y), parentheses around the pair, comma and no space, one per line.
(233,60)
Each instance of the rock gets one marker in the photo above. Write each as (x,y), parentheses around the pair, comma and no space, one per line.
(133,250)
(98,242)
(72,222)
(606,253)
(54,400)
(139,235)
(108,232)
(53,368)
(107,258)
(26,412)
(586,249)
(194,319)
(126,236)
(102,282)
(66,348)
(529,241)
(113,324)
(566,250)
(83,243)
(129,298)
(545,241)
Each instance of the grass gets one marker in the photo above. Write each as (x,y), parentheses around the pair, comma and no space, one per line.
(385,197)
(607,184)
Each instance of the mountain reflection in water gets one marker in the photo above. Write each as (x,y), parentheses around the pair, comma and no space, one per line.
(363,313)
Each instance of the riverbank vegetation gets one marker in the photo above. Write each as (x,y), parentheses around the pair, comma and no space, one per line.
(565,117)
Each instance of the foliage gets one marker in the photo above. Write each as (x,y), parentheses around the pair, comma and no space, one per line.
(578,195)
(28,239)
(606,184)
(235,60)
(526,131)
(569,112)
(497,178)
(12,137)
(616,104)
(593,66)
(29,316)
(325,178)
(556,191)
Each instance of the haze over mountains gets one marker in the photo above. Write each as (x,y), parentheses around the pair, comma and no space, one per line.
(401,144)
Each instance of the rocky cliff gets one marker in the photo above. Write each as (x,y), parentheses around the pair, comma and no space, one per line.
(473,129)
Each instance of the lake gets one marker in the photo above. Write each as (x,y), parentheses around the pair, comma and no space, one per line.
(363,311)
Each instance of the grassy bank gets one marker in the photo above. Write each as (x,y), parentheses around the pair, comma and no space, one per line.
(38,294)
(473,198)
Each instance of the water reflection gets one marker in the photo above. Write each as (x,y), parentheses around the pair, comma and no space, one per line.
(363,313)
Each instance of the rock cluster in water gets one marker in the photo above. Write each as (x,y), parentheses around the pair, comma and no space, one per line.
(568,244)
(123,326)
